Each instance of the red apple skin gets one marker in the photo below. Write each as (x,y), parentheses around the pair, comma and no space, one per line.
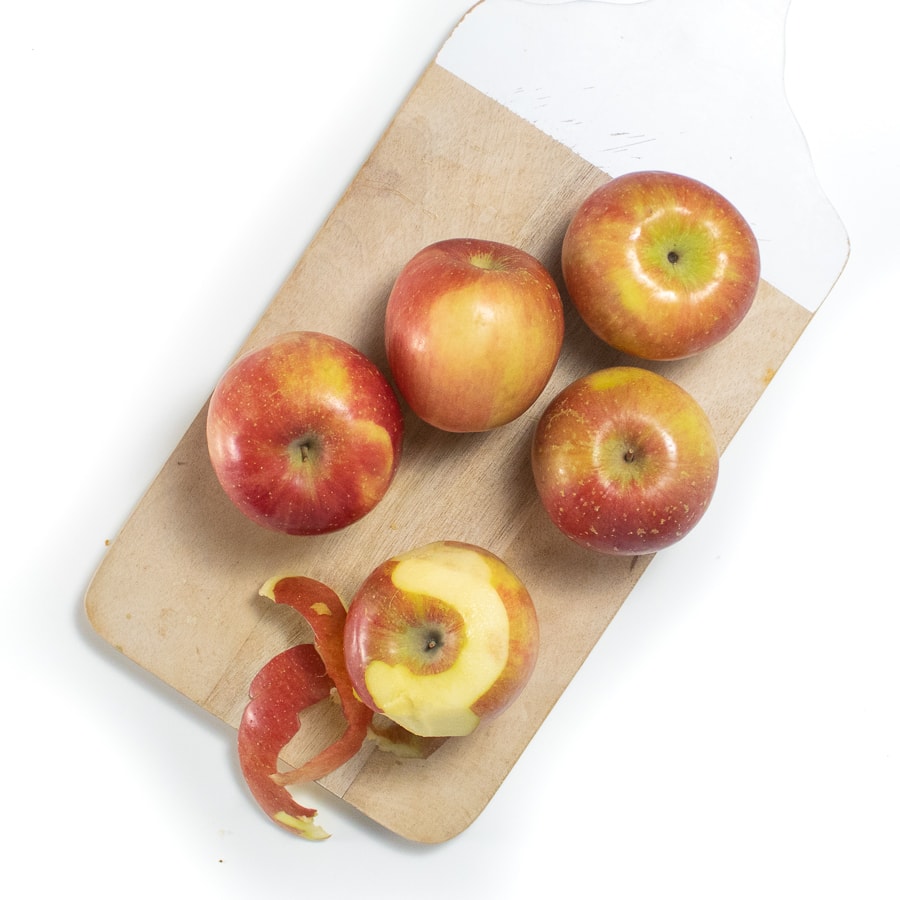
(305,434)
(383,620)
(659,265)
(625,461)
(473,331)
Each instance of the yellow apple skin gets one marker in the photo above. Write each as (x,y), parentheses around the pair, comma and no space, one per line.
(625,461)
(441,638)
(659,265)
(473,332)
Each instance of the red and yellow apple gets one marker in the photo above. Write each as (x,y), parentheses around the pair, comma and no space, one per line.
(304,433)
(473,331)
(625,461)
(441,638)
(659,265)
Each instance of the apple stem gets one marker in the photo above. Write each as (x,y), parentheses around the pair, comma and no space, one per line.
(629,455)
(302,449)
(673,256)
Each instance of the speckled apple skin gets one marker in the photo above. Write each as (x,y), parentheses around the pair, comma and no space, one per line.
(607,503)
(659,265)
(319,392)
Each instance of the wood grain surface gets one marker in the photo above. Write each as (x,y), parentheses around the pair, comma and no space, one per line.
(178,589)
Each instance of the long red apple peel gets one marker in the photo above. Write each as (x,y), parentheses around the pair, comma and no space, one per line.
(322,608)
(291,682)
(288,684)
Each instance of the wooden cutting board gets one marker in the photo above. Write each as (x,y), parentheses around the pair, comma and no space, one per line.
(483,146)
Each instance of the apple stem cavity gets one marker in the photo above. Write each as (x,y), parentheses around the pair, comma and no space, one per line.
(673,257)
(486,261)
(432,642)
(302,449)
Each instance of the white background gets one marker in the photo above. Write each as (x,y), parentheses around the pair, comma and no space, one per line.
(735,733)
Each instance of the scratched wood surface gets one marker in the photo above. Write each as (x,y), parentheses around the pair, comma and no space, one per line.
(178,589)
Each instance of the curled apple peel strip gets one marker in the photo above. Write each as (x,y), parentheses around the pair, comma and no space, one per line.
(291,682)
(322,608)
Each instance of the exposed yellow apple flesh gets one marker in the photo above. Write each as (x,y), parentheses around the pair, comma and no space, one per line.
(305,826)
(440,638)
(441,704)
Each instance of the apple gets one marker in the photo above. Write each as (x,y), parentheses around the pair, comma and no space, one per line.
(473,331)
(625,461)
(659,265)
(441,638)
(304,433)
